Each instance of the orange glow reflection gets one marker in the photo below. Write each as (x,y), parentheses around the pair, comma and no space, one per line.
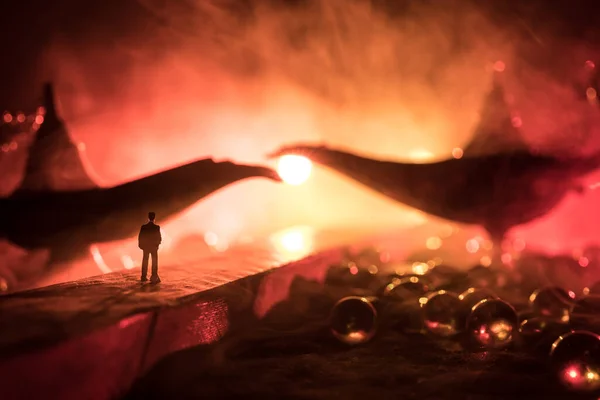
(433,243)
(457,153)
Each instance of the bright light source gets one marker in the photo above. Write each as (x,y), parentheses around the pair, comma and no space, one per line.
(293,241)
(294,170)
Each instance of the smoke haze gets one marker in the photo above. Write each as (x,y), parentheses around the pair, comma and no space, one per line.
(153,84)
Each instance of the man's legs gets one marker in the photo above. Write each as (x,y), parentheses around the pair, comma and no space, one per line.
(155,277)
(145,265)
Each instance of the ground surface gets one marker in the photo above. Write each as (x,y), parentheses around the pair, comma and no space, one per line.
(291,355)
(47,315)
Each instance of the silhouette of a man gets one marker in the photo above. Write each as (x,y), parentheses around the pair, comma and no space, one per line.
(148,240)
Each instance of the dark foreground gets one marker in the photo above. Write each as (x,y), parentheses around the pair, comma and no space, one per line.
(291,354)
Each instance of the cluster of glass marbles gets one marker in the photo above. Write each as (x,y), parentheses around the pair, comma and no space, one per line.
(551,321)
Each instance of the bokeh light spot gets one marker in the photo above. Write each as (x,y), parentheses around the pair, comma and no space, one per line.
(434,243)
(457,152)
(211,238)
(590,65)
(591,94)
(486,261)
(472,246)
(3,285)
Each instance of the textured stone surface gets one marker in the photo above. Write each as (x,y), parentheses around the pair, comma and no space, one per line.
(92,338)
(38,317)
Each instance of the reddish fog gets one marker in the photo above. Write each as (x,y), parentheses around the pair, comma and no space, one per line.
(207,83)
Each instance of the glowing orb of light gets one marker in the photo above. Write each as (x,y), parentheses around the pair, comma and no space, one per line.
(293,169)
(293,241)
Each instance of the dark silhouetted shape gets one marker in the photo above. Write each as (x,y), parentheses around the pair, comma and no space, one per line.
(496,190)
(149,239)
(70,218)
(54,161)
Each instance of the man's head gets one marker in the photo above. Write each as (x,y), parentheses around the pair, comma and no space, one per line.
(151,216)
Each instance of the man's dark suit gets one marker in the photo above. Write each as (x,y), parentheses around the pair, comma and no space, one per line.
(148,240)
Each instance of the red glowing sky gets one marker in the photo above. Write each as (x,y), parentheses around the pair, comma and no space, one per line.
(211,81)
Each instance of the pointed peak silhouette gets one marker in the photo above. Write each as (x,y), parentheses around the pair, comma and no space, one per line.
(497,131)
(49,103)
(54,162)
(497,191)
(68,219)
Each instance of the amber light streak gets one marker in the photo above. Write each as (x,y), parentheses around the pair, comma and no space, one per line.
(99,260)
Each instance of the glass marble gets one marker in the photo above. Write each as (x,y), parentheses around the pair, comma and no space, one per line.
(472,296)
(575,359)
(538,333)
(532,328)
(441,313)
(375,302)
(353,320)
(408,288)
(395,279)
(492,324)
(469,298)
(551,302)
(585,313)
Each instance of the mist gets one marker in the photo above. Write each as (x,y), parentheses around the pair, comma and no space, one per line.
(212,82)
(179,81)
